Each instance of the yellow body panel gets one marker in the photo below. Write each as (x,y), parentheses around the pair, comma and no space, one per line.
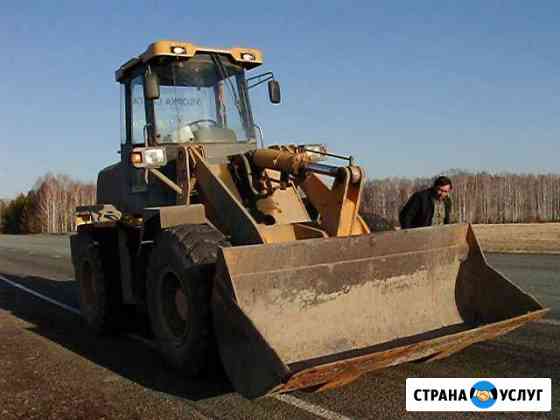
(159,48)
(165,48)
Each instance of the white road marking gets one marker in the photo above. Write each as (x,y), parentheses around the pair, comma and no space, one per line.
(76,311)
(288,399)
(41,296)
(310,408)
(69,308)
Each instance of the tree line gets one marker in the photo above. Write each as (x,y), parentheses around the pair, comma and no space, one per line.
(479,197)
(48,208)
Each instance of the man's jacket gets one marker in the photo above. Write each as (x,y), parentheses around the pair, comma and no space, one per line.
(419,210)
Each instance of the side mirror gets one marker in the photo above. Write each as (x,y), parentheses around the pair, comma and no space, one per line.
(274,91)
(151,86)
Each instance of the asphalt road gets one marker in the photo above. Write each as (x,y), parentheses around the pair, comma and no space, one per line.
(51,367)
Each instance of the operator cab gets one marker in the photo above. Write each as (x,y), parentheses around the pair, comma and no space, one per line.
(177,93)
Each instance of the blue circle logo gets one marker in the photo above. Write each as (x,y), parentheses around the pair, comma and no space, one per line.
(483,394)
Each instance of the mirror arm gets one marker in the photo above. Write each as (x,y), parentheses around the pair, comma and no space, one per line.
(261,78)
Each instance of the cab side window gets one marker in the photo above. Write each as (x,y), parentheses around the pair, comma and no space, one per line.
(138,110)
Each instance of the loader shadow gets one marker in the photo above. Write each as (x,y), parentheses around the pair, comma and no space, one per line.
(124,356)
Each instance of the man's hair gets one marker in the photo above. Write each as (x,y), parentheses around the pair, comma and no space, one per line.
(441,181)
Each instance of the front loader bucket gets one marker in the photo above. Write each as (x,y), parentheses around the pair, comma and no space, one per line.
(321,312)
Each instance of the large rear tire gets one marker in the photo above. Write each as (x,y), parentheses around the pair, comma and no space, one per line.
(100,298)
(179,286)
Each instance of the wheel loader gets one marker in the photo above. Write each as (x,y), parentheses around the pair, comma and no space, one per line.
(258,255)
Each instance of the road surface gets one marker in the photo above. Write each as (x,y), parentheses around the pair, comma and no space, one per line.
(51,367)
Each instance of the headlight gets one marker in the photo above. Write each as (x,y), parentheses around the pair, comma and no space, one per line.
(148,157)
(248,57)
(315,152)
(178,50)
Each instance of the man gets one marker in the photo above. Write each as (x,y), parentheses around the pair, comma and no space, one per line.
(428,207)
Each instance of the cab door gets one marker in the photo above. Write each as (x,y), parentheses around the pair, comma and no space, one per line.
(135,115)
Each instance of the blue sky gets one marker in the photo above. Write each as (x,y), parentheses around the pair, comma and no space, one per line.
(408,88)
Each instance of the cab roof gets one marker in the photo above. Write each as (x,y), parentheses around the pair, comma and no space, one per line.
(246,57)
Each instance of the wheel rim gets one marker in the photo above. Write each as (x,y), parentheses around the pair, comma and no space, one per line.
(174,304)
(87,284)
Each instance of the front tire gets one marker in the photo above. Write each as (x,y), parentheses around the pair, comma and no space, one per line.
(179,285)
(100,303)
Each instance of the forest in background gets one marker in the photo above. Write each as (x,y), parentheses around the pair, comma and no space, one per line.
(48,208)
(479,197)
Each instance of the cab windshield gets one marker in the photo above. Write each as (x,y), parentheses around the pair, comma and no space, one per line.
(202,99)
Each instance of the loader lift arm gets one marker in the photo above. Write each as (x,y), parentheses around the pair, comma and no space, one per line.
(338,205)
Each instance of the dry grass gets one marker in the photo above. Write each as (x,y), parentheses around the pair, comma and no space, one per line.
(523,237)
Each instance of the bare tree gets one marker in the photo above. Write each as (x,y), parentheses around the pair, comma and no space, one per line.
(479,197)
(56,198)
